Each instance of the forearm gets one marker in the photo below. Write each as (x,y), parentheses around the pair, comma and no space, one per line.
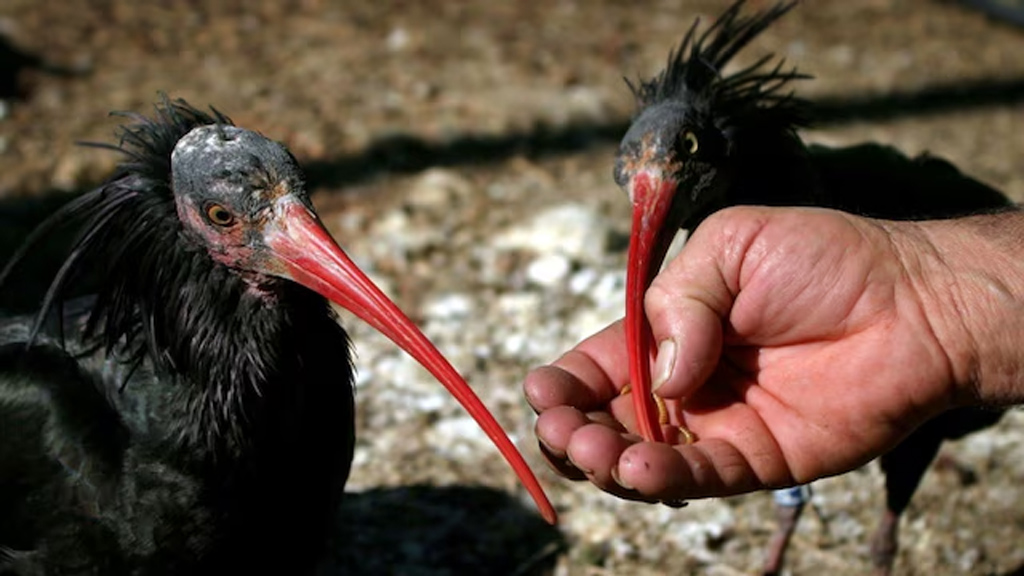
(969,275)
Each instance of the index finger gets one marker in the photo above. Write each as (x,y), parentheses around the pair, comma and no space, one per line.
(587,377)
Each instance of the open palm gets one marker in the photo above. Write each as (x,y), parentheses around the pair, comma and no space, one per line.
(802,349)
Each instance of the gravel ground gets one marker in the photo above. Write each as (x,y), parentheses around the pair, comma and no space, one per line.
(462,152)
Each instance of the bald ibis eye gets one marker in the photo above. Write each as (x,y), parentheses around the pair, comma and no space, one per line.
(220,215)
(689,142)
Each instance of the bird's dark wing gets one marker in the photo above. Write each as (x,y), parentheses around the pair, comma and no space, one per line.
(60,437)
(881,182)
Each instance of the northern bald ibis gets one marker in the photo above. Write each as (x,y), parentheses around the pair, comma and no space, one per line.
(702,139)
(196,414)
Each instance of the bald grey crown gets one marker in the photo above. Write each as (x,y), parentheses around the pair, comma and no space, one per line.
(224,153)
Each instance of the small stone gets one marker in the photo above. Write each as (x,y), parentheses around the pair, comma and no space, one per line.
(513,345)
(452,431)
(594,524)
(397,40)
(548,270)
(67,175)
(610,287)
(587,104)
(519,305)
(449,307)
(582,281)
(573,230)
(398,234)
(437,188)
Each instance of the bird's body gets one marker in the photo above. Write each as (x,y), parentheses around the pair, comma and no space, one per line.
(196,415)
(702,141)
(109,469)
(180,418)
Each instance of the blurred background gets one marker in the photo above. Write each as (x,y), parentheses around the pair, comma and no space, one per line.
(461,152)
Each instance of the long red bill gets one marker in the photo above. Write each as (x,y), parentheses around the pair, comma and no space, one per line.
(648,244)
(315,260)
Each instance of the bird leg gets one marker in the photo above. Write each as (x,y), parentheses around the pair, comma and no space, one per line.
(664,418)
(885,543)
(789,505)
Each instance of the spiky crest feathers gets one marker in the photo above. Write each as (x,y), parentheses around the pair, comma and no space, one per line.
(693,73)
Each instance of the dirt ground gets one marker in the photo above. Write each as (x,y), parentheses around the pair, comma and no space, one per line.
(461,152)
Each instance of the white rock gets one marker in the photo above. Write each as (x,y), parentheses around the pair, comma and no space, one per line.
(573,230)
(513,345)
(548,270)
(610,287)
(449,307)
(461,428)
(396,234)
(712,520)
(459,438)
(437,188)
(590,321)
(520,306)
(587,103)
(347,223)
(398,39)
(593,524)
(400,371)
(582,281)
(391,223)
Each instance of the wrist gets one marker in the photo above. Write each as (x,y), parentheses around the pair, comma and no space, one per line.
(968,275)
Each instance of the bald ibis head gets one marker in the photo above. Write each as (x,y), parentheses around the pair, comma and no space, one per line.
(205,227)
(688,151)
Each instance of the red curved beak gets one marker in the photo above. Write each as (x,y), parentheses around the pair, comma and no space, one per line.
(650,237)
(309,256)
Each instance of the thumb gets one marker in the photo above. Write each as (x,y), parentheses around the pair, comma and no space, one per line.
(690,299)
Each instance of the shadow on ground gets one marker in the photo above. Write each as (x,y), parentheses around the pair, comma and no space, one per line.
(404,154)
(15,62)
(432,531)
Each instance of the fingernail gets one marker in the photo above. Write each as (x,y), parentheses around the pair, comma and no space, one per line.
(545,447)
(615,477)
(665,362)
(586,471)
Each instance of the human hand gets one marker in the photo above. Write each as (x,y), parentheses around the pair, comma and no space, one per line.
(805,344)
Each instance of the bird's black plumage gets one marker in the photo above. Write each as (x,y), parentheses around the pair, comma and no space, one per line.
(192,417)
(722,139)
